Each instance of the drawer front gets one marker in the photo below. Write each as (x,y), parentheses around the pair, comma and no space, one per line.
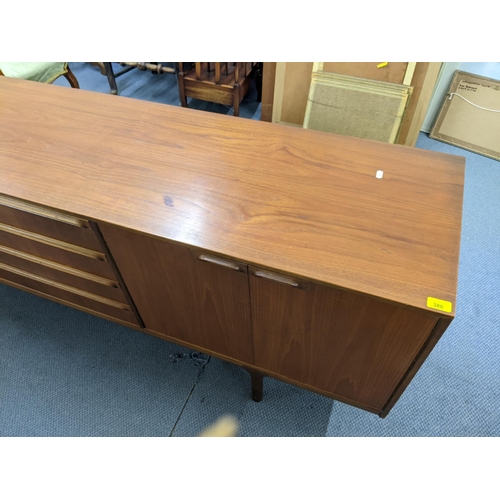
(60,256)
(88,261)
(69,296)
(48,223)
(75,278)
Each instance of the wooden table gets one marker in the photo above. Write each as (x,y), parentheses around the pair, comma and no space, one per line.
(271,247)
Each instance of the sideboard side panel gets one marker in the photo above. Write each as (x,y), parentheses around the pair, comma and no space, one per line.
(439,328)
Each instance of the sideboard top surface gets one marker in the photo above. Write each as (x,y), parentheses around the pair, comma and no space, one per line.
(298,201)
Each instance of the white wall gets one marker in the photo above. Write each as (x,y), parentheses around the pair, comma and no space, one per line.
(490,70)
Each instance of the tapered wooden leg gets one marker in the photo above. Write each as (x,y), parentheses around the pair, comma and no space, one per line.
(257,384)
(71,79)
(111,78)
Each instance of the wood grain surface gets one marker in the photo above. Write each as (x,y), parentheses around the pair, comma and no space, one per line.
(113,310)
(301,202)
(438,330)
(268,78)
(117,315)
(354,347)
(83,237)
(62,274)
(177,293)
(57,255)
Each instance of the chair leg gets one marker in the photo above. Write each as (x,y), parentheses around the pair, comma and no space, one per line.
(71,79)
(101,67)
(182,91)
(111,78)
(236,99)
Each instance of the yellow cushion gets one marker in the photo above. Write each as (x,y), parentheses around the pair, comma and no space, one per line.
(45,72)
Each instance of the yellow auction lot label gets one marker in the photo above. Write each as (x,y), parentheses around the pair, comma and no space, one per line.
(440,305)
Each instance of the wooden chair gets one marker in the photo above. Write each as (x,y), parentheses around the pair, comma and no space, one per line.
(45,72)
(106,69)
(221,82)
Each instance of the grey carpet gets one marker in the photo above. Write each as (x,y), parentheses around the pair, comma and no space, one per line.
(66,373)
(224,389)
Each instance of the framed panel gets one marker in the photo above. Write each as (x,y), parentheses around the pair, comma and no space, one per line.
(470,116)
(354,106)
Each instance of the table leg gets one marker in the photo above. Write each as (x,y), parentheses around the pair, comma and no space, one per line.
(257,384)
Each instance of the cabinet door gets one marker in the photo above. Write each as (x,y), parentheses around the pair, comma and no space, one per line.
(189,295)
(352,346)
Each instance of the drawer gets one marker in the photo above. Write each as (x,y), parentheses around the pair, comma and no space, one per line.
(48,223)
(68,295)
(77,257)
(70,276)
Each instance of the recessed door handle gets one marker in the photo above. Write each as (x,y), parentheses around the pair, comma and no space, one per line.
(45,212)
(285,280)
(220,262)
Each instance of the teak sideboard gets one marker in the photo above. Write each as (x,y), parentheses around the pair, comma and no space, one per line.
(278,249)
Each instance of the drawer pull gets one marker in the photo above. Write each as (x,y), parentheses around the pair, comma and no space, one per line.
(52,242)
(285,280)
(220,262)
(66,288)
(42,211)
(59,267)
(121,315)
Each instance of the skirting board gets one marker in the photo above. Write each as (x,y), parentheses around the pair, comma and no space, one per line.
(470,115)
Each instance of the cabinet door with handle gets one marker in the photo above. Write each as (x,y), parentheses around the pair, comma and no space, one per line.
(354,347)
(190,295)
